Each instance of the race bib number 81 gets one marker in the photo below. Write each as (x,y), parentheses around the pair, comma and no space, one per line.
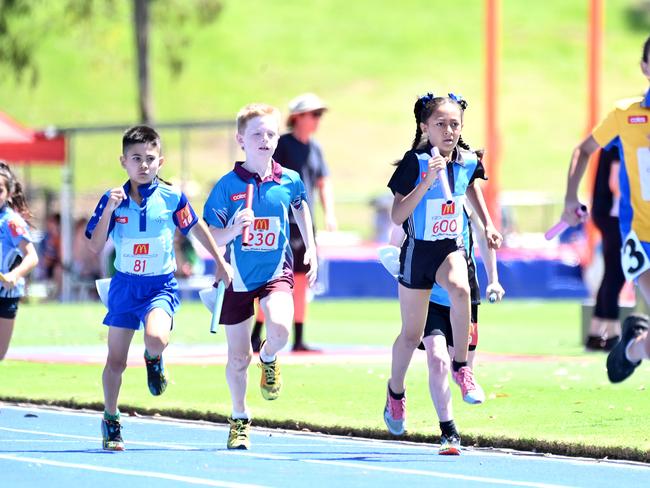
(142,256)
(634,259)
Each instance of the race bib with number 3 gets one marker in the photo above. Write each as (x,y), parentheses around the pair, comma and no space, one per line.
(634,259)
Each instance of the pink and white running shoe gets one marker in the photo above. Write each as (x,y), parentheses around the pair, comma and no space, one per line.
(472,392)
(395,414)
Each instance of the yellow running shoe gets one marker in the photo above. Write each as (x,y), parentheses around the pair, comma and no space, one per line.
(271,381)
(238,437)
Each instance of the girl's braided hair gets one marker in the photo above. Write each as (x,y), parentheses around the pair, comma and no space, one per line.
(16,198)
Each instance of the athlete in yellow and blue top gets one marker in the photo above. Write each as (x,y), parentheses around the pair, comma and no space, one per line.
(630,122)
(141,218)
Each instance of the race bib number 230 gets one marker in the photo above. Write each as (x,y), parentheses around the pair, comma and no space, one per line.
(264,234)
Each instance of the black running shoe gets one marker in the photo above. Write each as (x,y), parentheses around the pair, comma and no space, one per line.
(620,367)
(611,342)
(156,375)
(595,343)
(112,435)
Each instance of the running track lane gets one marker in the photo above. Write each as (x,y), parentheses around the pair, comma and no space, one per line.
(62,448)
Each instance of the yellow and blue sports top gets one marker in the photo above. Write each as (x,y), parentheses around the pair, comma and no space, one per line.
(144,234)
(13,230)
(630,122)
(268,255)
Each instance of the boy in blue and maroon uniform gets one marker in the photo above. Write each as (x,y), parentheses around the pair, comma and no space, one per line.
(263,268)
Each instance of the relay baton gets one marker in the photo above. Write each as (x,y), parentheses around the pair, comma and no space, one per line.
(561,226)
(2,278)
(442,176)
(245,236)
(216,308)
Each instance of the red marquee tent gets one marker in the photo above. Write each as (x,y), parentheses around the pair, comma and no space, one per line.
(19,144)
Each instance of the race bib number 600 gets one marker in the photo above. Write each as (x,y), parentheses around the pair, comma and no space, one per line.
(634,259)
(444,220)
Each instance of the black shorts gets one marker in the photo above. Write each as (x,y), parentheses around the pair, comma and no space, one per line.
(297,249)
(439,323)
(474,289)
(8,307)
(419,260)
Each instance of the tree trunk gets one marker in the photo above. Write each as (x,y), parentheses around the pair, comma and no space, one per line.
(141,26)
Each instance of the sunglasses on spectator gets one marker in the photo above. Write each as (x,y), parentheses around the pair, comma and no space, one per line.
(317,113)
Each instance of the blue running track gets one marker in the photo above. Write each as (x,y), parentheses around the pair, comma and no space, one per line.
(42,447)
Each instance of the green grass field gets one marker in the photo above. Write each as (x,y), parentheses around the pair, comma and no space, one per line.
(562,404)
(367,60)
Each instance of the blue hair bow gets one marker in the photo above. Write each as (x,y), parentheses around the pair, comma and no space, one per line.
(455,98)
(427,97)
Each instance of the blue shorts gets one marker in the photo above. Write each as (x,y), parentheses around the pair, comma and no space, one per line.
(131,298)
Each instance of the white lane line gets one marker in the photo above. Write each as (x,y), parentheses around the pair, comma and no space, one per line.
(435,474)
(270,457)
(131,472)
(98,439)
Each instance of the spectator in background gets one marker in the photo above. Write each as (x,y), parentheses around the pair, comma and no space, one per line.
(299,151)
(605,328)
(51,252)
(185,255)
(85,264)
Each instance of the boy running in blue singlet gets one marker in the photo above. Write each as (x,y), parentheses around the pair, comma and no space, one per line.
(263,268)
(141,217)
(630,122)
(433,250)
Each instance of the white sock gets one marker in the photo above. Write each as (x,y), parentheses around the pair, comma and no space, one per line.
(264,357)
(627,351)
(241,415)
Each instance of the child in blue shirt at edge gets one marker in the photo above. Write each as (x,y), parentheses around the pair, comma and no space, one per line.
(18,254)
(141,217)
(263,269)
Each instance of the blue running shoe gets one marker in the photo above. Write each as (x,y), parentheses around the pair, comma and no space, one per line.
(619,367)
(155,375)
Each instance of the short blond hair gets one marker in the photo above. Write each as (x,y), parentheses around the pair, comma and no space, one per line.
(253,110)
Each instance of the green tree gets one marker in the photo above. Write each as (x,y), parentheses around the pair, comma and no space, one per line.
(19,37)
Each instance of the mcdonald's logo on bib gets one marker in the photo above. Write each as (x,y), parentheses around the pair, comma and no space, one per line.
(448,208)
(261,224)
(140,249)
